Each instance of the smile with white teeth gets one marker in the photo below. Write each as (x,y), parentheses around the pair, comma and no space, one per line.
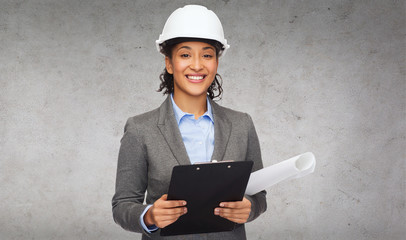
(195,77)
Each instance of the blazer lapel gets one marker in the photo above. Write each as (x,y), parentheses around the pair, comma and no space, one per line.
(170,130)
(222,130)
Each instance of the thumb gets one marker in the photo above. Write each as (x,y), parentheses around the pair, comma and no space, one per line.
(164,197)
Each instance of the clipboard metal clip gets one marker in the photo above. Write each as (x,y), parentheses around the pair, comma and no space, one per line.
(213,161)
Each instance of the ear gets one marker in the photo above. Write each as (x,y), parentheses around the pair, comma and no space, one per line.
(168,65)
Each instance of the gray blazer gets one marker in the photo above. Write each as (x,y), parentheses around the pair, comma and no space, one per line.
(152,145)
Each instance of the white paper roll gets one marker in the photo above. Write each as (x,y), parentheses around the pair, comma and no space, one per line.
(295,167)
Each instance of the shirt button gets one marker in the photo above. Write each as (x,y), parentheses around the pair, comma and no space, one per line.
(200,143)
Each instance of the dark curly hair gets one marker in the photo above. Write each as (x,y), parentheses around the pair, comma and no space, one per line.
(214,91)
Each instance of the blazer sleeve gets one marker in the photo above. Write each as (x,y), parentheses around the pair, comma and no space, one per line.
(131,180)
(258,201)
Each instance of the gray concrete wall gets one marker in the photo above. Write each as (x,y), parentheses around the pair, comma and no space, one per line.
(317,75)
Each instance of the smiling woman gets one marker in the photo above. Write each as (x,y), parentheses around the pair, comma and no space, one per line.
(193,66)
(167,83)
(188,127)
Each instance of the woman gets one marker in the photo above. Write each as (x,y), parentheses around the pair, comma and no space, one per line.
(188,127)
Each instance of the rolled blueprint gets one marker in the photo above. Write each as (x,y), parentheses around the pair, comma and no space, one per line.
(295,167)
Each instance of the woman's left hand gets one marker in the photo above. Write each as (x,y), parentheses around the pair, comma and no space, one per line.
(237,212)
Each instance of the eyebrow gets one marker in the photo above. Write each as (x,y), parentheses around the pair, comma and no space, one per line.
(189,48)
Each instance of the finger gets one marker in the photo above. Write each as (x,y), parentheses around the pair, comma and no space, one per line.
(164,217)
(170,204)
(163,202)
(171,217)
(164,197)
(238,218)
(170,211)
(234,217)
(230,213)
(233,210)
(238,204)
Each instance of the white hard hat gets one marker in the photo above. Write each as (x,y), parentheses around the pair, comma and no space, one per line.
(193,21)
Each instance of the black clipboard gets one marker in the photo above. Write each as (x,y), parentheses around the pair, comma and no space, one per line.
(203,187)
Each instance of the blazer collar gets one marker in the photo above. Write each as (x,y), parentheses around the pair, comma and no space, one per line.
(170,130)
(222,131)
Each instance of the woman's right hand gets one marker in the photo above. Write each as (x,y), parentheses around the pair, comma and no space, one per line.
(164,212)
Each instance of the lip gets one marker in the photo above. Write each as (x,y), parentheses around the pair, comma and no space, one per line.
(196,78)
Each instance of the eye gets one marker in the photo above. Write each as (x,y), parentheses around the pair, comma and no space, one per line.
(185,55)
(208,56)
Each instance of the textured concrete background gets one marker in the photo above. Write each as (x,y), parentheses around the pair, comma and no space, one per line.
(317,75)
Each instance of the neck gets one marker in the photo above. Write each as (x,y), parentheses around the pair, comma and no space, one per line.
(192,105)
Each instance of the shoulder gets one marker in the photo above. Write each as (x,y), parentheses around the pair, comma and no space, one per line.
(143,124)
(150,118)
(142,120)
(139,127)
(232,115)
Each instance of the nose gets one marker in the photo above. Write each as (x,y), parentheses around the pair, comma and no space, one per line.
(196,64)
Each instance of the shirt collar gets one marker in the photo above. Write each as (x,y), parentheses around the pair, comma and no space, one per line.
(179,114)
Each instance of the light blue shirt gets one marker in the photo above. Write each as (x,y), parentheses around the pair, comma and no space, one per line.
(198,138)
(197,134)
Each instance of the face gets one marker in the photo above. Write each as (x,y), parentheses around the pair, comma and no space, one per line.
(194,66)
